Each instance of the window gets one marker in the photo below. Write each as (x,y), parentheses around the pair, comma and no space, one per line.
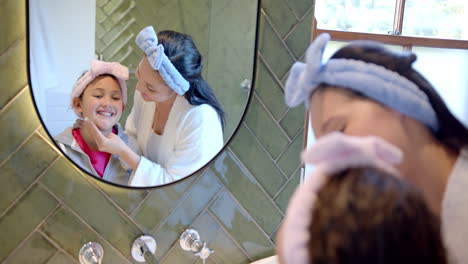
(435,23)
(436,18)
(370,16)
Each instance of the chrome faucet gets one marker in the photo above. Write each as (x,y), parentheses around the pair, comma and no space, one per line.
(143,250)
(190,241)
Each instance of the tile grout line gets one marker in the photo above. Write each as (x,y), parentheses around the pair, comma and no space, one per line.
(82,221)
(283,115)
(301,58)
(270,70)
(56,252)
(18,94)
(228,234)
(271,115)
(242,208)
(13,44)
(24,240)
(18,148)
(287,146)
(276,230)
(102,5)
(300,20)
(252,175)
(278,35)
(283,79)
(290,31)
(134,212)
(295,171)
(284,186)
(115,8)
(272,73)
(47,141)
(181,200)
(290,8)
(56,245)
(121,16)
(112,202)
(107,44)
(275,79)
(29,187)
(264,149)
(278,227)
(122,46)
(258,184)
(215,197)
(281,85)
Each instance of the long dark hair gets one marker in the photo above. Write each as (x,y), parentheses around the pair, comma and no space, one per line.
(452,132)
(369,217)
(182,52)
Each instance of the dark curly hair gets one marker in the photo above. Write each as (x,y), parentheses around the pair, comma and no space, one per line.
(367,216)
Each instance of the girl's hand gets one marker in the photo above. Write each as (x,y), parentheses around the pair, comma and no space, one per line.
(111,143)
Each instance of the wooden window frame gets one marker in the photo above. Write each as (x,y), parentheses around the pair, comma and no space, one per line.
(404,41)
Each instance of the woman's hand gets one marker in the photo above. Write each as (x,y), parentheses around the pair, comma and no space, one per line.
(112,144)
(78,123)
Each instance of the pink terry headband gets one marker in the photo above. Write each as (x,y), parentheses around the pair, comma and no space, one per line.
(331,154)
(99,68)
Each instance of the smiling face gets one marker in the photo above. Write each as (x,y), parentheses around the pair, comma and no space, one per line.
(101,102)
(151,85)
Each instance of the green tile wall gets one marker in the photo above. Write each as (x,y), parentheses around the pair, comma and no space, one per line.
(49,209)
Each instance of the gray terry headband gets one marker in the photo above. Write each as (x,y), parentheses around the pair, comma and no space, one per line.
(372,80)
(148,42)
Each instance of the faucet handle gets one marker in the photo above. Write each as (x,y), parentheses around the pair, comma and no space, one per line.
(190,241)
(91,253)
(143,246)
(204,253)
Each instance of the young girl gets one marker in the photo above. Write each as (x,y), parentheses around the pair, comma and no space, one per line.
(367,89)
(355,209)
(99,96)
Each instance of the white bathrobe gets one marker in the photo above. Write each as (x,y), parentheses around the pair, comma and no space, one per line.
(455,211)
(192,136)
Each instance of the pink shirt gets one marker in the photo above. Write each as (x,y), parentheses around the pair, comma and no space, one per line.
(98,159)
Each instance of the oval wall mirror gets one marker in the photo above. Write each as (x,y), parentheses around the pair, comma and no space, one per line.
(161,134)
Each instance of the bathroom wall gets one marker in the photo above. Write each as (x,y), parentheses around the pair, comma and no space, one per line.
(49,209)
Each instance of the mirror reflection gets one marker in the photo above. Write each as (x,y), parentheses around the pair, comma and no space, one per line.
(134,105)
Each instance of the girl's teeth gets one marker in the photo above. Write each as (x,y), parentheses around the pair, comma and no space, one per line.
(105,114)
